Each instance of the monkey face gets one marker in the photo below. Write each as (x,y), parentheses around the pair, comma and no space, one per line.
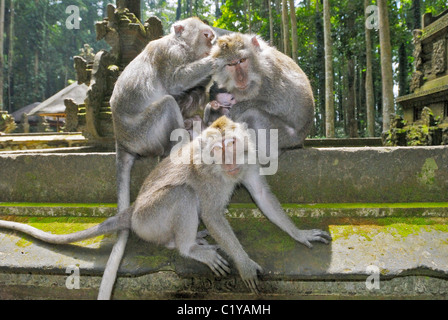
(225,152)
(239,70)
(196,34)
(237,64)
(226,146)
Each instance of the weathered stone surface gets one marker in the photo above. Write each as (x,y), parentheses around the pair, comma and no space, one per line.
(330,175)
(410,256)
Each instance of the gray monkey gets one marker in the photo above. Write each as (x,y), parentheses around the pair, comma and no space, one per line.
(271,90)
(165,212)
(145,108)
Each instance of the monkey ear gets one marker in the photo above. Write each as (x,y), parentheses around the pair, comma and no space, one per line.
(178,29)
(255,42)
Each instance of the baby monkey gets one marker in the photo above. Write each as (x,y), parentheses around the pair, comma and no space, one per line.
(179,193)
(220,104)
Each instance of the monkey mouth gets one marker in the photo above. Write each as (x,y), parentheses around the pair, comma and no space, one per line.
(242,88)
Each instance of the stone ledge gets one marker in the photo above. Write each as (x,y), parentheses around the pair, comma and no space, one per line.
(401,248)
(242,210)
(168,285)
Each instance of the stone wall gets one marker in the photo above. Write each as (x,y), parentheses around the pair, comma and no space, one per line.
(310,175)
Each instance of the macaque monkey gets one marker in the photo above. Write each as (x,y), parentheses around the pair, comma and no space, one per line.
(220,104)
(177,195)
(271,90)
(156,91)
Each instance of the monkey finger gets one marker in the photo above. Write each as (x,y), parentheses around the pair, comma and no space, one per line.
(322,233)
(320,239)
(226,269)
(223,261)
(223,269)
(308,244)
(216,270)
(253,286)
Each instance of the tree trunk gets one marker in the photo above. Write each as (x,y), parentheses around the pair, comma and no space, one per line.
(416,10)
(36,74)
(179,10)
(329,81)
(2,60)
(279,40)
(370,101)
(319,70)
(10,55)
(403,83)
(351,119)
(188,8)
(386,64)
(218,12)
(249,16)
(294,39)
(285,24)
(271,25)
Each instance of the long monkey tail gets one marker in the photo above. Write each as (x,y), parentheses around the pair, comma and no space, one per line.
(112,224)
(110,272)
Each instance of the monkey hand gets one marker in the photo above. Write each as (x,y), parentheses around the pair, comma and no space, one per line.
(249,273)
(305,236)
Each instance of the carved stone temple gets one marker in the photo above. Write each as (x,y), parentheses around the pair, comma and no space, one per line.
(425,110)
(127,36)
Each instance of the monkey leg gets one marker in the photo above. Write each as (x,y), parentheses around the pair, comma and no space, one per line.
(148,133)
(186,233)
(186,238)
(272,209)
(169,118)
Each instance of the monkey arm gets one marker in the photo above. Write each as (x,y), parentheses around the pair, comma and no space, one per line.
(241,107)
(207,111)
(188,76)
(272,209)
(220,230)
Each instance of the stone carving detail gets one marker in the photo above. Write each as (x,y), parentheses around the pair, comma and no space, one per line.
(418,62)
(439,56)
(417,80)
(127,37)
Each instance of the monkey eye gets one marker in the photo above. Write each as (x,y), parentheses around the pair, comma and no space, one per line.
(232,64)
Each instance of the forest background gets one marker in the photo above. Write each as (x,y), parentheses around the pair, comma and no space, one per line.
(37,48)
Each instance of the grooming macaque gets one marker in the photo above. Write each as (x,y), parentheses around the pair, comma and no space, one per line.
(271,90)
(175,197)
(163,85)
(220,104)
